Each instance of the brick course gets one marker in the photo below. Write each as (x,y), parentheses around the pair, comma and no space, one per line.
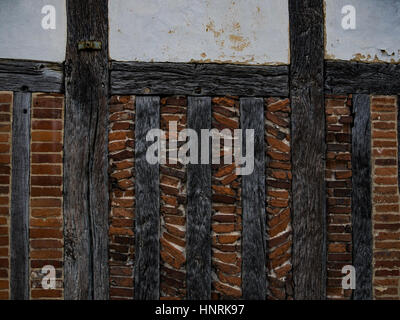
(226,219)
(385,198)
(226,203)
(46,218)
(5,190)
(278,187)
(226,208)
(173,204)
(122,196)
(338,188)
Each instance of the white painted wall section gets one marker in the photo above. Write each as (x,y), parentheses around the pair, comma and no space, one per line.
(223,31)
(376,37)
(22,35)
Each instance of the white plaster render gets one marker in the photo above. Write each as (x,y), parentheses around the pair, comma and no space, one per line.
(241,31)
(22,35)
(376,34)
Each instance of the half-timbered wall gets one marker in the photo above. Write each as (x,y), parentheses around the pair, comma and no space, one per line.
(77,193)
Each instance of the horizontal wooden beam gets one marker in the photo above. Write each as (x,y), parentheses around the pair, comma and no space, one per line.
(198,79)
(342,77)
(31,76)
(204,79)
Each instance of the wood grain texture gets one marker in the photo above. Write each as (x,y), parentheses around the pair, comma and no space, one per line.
(308,148)
(198,234)
(32,76)
(356,77)
(147,212)
(198,79)
(19,242)
(254,282)
(86,204)
(361,206)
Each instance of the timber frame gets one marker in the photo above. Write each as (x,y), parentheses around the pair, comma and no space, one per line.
(145,78)
(304,81)
(31,76)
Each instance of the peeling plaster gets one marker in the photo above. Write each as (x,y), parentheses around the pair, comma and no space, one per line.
(223,31)
(376,37)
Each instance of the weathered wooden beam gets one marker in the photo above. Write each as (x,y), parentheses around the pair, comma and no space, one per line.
(19,240)
(308,148)
(147,212)
(198,245)
(198,79)
(31,76)
(343,77)
(361,206)
(254,282)
(86,205)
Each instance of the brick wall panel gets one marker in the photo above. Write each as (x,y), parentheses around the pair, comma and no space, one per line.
(226,209)
(338,187)
(173,205)
(5,182)
(385,198)
(46,219)
(278,186)
(121,150)
(226,220)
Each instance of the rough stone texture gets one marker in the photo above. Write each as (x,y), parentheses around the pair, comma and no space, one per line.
(122,196)
(278,197)
(227,209)
(5,180)
(173,204)
(46,194)
(385,198)
(338,192)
